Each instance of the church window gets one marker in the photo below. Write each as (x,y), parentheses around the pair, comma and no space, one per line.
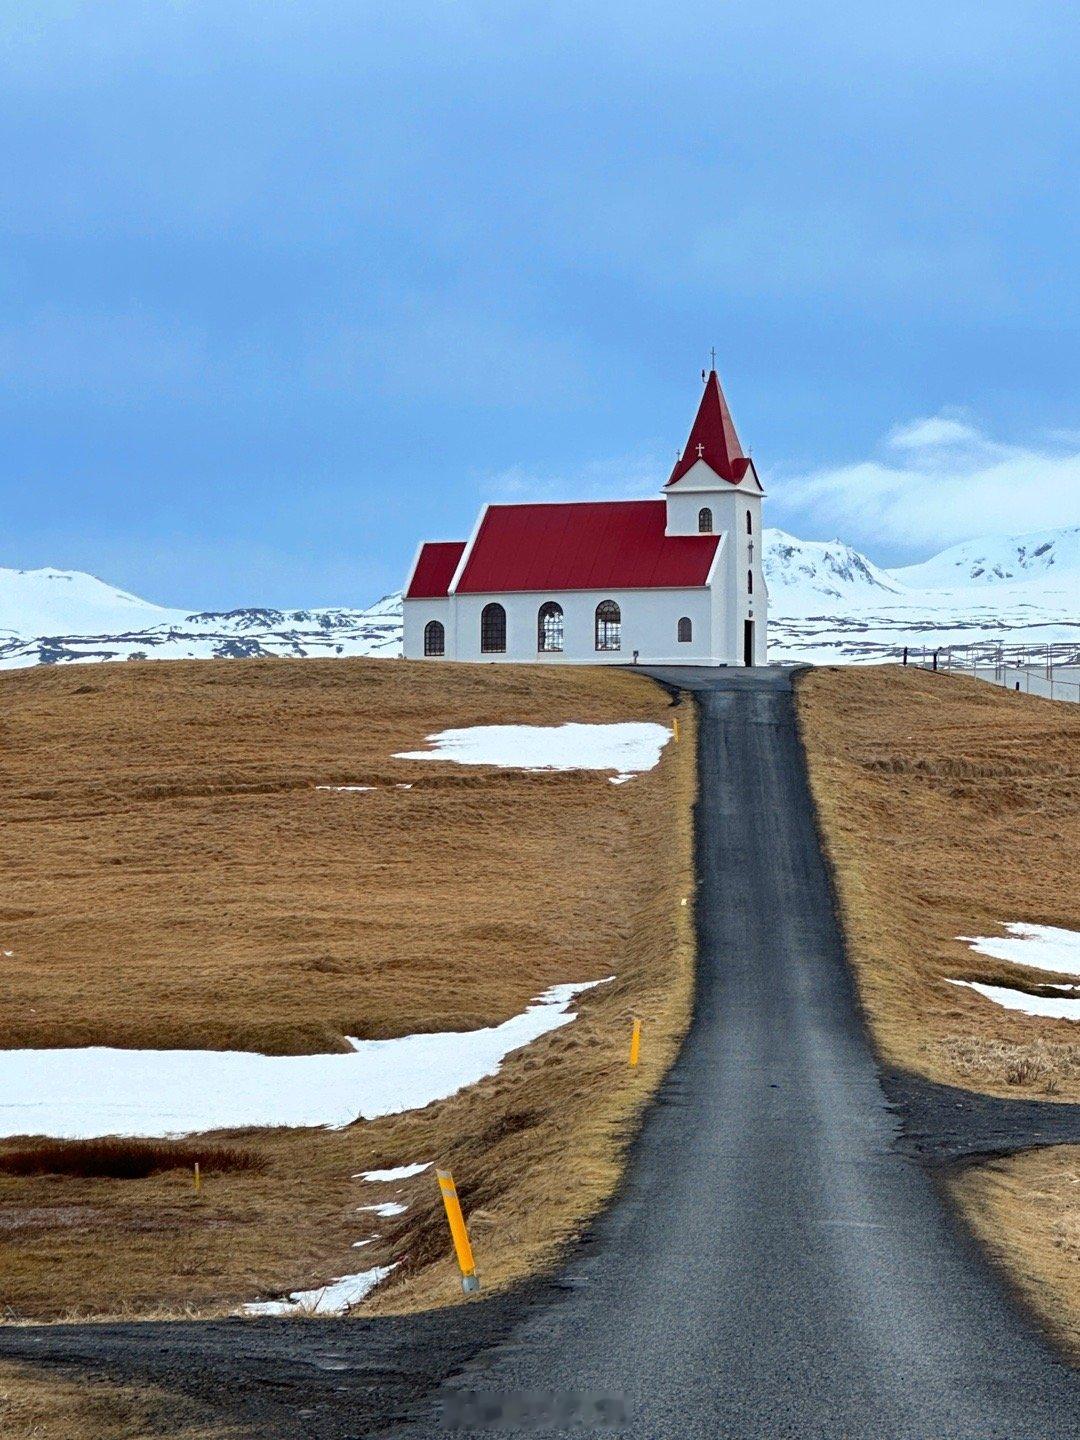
(749,523)
(704,521)
(434,638)
(608,626)
(686,630)
(749,582)
(549,626)
(492,629)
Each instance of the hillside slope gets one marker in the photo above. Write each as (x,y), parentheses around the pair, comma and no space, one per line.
(176,880)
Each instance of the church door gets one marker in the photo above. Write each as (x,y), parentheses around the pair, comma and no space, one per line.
(748,642)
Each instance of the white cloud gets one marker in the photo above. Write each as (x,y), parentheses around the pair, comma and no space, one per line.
(934,431)
(939,480)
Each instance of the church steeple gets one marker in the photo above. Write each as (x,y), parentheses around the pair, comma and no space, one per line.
(713,438)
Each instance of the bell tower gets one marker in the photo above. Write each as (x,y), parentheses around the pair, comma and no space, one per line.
(714,490)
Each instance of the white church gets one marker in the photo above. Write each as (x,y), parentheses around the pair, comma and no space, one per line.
(675,581)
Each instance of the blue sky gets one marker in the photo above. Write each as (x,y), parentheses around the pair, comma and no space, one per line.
(287,287)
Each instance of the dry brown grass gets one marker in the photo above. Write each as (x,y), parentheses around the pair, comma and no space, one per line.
(173,878)
(948,807)
(38,1406)
(1026,1210)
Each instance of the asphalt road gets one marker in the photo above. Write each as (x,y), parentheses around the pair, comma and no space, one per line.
(775,1265)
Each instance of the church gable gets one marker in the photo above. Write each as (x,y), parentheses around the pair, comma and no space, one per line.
(701,476)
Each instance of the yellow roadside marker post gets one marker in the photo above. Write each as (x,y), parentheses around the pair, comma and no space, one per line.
(635,1042)
(675,727)
(198,1180)
(462,1248)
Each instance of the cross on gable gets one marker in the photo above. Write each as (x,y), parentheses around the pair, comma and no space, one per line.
(700,450)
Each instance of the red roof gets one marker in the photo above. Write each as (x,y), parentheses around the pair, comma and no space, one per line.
(713,438)
(435,566)
(608,545)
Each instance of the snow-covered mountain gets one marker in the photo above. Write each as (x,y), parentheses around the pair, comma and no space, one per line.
(803,575)
(49,602)
(1048,557)
(827,603)
(52,616)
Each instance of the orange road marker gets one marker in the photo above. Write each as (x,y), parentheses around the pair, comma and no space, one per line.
(635,1042)
(456,1221)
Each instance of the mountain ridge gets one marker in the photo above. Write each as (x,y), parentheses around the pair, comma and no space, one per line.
(827,602)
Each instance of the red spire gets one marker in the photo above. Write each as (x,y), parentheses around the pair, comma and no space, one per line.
(713,438)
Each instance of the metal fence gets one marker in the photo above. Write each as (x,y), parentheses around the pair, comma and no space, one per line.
(1050,671)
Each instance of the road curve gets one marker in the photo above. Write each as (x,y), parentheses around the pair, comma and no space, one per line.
(774,1267)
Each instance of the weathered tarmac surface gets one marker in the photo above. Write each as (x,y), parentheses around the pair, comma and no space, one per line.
(778,1262)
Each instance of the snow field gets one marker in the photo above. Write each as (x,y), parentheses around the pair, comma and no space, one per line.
(87,1093)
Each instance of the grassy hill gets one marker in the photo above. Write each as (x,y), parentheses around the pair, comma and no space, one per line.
(175,879)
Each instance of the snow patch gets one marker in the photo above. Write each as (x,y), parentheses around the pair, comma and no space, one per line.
(399,1172)
(386,1210)
(1042,947)
(628,747)
(337,1298)
(1051,1007)
(80,1094)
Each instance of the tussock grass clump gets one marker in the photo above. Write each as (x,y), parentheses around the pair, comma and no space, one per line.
(987,1061)
(117,1158)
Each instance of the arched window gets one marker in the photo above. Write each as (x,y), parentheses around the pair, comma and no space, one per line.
(686,630)
(704,521)
(492,629)
(749,582)
(749,523)
(608,626)
(549,626)
(434,638)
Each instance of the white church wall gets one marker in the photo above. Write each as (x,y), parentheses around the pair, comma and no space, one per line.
(649,625)
(740,604)
(415,616)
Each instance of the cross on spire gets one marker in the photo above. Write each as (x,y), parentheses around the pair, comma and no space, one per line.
(712,353)
(700,450)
